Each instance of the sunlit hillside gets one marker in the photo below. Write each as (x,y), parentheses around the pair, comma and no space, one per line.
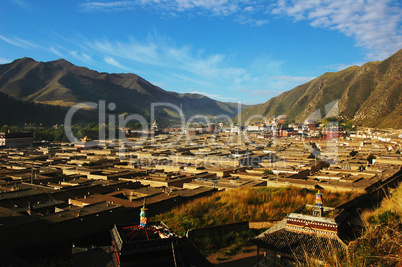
(245,204)
(381,245)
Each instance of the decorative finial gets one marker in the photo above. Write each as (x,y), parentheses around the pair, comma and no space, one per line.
(318,199)
(143,216)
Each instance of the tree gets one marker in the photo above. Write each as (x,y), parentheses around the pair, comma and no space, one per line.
(349,125)
(362,168)
(267,172)
(5,128)
(370,159)
(90,164)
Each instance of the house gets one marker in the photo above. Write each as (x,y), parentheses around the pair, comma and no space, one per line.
(20,140)
(152,244)
(312,230)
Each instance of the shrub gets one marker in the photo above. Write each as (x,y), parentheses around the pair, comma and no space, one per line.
(386,217)
(245,204)
(267,172)
(371,158)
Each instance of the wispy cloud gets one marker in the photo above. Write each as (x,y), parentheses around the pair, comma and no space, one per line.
(159,53)
(297,79)
(115,63)
(22,4)
(268,86)
(213,96)
(339,67)
(242,10)
(375,25)
(217,7)
(107,6)
(186,69)
(244,19)
(266,94)
(84,57)
(57,52)
(4,61)
(132,50)
(19,42)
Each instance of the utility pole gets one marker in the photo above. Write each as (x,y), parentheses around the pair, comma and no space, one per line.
(32,173)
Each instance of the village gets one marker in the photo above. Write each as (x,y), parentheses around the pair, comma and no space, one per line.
(57,192)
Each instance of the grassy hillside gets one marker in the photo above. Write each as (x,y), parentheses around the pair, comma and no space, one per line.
(370,95)
(245,204)
(237,205)
(62,83)
(381,245)
(18,113)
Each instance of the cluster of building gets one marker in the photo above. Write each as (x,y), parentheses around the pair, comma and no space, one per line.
(16,139)
(313,230)
(60,191)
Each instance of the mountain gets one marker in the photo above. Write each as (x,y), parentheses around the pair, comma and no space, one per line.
(64,84)
(19,113)
(370,95)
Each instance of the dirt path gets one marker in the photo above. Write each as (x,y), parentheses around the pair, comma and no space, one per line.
(243,259)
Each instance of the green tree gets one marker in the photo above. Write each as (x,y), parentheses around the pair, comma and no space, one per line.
(349,125)
(267,172)
(371,158)
(5,128)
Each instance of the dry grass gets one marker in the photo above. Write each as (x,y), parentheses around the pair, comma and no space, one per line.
(381,243)
(245,204)
(392,204)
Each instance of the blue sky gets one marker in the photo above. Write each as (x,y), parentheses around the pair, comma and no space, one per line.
(247,50)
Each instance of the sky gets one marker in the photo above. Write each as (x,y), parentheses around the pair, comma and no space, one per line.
(244,51)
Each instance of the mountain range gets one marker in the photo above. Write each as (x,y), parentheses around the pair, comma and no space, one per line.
(370,95)
(64,84)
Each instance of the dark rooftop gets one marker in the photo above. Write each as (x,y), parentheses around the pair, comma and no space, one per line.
(296,244)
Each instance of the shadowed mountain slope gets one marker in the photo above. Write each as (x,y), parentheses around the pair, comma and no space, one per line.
(370,95)
(64,84)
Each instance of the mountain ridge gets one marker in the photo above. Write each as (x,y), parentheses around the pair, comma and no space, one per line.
(62,83)
(369,95)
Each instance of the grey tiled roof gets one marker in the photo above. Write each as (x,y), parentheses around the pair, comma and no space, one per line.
(297,244)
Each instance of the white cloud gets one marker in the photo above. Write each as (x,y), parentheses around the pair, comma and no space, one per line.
(285,78)
(19,42)
(185,69)
(245,19)
(262,88)
(81,56)
(243,9)
(57,52)
(22,4)
(373,24)
(160,54)
(267,94)
(339,67)
(213,96)
(115,63)
(132,50)
(4,61)
(217,7)
(107,6)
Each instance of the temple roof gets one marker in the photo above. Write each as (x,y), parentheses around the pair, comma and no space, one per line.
(163,248)
(297,244)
